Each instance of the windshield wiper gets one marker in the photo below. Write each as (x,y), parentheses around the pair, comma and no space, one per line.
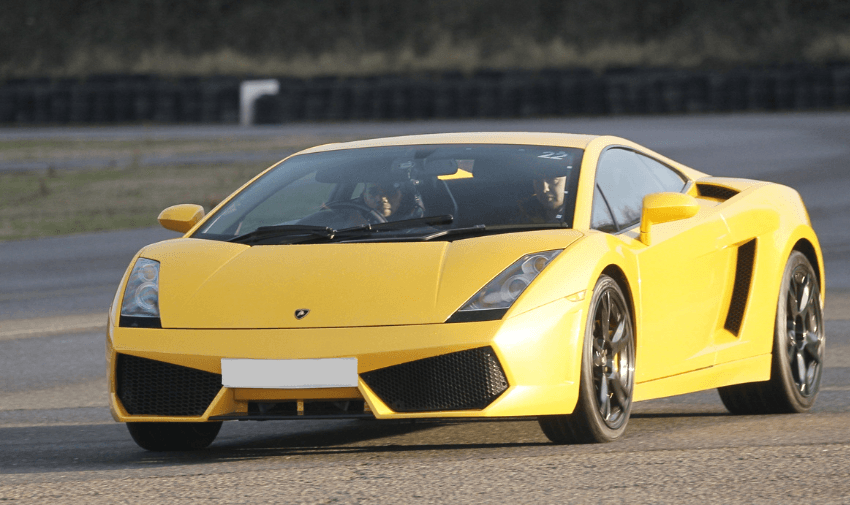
(307,232)
(481,229)
(392,225)
(284,230)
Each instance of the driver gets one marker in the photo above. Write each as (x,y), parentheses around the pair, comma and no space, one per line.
(546,205)
(393,201)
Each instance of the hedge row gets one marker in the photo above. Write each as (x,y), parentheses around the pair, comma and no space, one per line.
(119,99)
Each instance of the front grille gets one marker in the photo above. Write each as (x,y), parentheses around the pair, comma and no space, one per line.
(712,191)
(463,380)
(741,288)
(312,408)
(149,387)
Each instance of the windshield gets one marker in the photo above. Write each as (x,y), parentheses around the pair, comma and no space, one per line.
(431,187)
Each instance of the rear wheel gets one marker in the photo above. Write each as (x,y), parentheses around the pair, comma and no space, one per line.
(173,436)
(607,373)
(798,349)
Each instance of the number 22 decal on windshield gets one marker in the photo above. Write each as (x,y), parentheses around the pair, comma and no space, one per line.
(551,155)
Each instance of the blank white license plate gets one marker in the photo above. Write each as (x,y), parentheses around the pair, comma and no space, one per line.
(289,373)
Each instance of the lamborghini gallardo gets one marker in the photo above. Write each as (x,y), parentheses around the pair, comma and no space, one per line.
(552,277)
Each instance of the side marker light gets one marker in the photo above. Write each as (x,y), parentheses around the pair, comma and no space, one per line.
(577,297)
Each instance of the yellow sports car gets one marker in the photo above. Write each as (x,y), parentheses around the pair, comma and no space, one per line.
(476,275)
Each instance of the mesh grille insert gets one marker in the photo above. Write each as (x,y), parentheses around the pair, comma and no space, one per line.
(712,191)
(741,289)
(149,387)
(463,380)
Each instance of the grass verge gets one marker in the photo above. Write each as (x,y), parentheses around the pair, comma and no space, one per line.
(39,205)
(122,193)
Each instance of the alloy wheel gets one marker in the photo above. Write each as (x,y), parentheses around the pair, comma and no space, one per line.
(613,359)
(804,325)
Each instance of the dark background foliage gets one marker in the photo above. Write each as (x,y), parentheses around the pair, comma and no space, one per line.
(42,36)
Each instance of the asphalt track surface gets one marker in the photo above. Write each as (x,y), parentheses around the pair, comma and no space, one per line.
(58,442)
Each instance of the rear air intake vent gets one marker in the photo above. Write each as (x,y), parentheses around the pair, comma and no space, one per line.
(149,387)
(741,290)
(462,380)
(719,192)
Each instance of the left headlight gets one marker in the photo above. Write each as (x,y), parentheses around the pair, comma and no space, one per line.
(493,300)
(140,304)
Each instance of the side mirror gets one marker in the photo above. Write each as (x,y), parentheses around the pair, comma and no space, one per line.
(663,208)
(181,217)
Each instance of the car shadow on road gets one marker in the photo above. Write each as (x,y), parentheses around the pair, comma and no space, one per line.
(376,437)
(109,446)
(657,415)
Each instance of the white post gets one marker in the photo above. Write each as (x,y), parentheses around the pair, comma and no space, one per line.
(249,91)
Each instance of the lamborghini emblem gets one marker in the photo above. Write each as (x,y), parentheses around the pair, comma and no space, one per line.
(301,313)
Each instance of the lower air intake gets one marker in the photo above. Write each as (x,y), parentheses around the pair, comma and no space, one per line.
(149,387)
(463,380)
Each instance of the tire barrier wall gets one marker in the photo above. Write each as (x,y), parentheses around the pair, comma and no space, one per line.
(120,99)
(486,94)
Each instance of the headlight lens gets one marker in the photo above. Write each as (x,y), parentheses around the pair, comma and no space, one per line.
(141,296)
(505,288)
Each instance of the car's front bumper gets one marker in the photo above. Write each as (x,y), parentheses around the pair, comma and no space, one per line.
(538,351)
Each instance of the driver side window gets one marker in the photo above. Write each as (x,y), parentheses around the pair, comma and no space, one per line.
(625,179)
(600,218)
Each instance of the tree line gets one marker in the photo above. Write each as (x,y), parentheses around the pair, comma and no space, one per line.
(75,37)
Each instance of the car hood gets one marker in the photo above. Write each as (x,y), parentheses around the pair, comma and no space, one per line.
(211,284)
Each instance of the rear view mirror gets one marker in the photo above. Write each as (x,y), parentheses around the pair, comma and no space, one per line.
(416,167)
(663,208)
(181,217)
(440,167)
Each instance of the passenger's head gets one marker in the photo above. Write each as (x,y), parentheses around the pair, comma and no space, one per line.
(550,191)
(384,198)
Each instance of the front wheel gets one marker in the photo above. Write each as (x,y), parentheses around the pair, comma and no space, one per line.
(798,349)
(161,437)
(607,373)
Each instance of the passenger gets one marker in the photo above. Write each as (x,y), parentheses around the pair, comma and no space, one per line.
(393,201)
(546,205)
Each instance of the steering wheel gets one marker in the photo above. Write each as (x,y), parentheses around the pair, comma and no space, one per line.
(368,213)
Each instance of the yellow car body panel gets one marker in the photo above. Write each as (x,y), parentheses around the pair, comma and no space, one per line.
(202,283)
(550,382)
(387,303)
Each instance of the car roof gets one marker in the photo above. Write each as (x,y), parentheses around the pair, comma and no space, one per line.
(522,138)
(570,140)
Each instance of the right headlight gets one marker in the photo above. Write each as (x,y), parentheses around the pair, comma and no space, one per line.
(140,304)
(493,300)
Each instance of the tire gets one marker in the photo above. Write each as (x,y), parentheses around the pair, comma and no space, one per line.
(159,437)
(798,349)
(607,373)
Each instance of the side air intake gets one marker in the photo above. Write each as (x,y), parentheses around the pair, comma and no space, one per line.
(741,289)
(463,380)
(713,191)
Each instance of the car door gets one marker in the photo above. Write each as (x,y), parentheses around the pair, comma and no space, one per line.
(682,273)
